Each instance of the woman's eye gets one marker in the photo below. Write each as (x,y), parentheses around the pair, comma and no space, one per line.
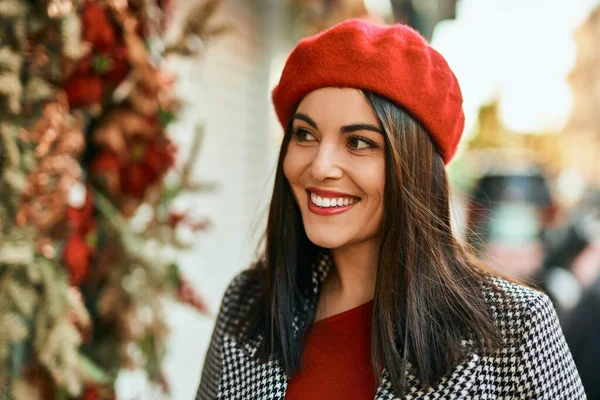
(358,143)
(302,135)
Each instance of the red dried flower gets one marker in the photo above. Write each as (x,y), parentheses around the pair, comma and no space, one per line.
(91,393)
(84,90)
(76,256)
(80,245)
(107,64)
(143,164)
(97,28)
(148,161)
(105,162)
(187,295)
(82,219)
(174,218)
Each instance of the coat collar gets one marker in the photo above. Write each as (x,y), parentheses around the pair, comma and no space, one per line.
(243,377)
(319,271)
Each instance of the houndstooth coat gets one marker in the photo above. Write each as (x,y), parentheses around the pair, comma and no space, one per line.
(534,364)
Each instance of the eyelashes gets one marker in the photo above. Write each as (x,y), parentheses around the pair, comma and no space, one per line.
(353,142)
(358,143)
(302,135)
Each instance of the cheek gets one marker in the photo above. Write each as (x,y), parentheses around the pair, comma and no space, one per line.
(381,187)
(376,190)
(373,182)
(288,168)
(293,165)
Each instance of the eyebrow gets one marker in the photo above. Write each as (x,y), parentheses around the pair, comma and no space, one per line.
(344,129)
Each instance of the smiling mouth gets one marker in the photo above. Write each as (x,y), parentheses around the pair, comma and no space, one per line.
(324,202)
(328,202)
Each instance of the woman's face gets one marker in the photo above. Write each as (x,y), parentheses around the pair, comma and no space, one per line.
(335,165)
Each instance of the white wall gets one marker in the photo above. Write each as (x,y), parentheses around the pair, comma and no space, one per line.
(228,93)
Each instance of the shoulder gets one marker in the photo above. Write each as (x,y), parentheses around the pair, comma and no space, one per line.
(244,283)
(502,294)
(519,311)
(534,360)
(241,293)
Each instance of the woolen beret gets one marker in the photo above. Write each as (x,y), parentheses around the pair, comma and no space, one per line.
(394,61)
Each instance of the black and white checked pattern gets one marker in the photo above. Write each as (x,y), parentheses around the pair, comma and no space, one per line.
(535,362)
(243,378)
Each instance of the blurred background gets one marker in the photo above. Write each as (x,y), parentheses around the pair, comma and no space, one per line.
(138,146)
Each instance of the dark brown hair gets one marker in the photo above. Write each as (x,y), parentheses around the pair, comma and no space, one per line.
(428,294)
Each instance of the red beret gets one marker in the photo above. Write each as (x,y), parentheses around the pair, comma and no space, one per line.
(392,61)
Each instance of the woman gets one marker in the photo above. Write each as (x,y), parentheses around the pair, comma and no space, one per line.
(363,291)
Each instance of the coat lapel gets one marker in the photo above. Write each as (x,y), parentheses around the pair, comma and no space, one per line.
(244,378)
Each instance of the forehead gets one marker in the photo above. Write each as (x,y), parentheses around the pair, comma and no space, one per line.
(334,107)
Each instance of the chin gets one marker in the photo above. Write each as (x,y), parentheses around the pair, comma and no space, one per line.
(327,240)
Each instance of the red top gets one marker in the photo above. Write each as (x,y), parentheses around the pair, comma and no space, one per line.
(337,359)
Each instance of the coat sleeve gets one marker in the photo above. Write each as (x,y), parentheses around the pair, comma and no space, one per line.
(211,371)
(547,369)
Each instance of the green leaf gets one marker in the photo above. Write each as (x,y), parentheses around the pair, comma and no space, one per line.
(92,371)
(16,254)
(23,297)
(102,64)
(38,90)
(18,358)
(92,238)
(13,327)
(110,212)
(170,192)
(61,394)
(173,275)
(165,117)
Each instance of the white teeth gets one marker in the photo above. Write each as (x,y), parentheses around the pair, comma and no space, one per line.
(331,202)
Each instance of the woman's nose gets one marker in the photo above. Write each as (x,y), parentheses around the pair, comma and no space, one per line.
(326,164)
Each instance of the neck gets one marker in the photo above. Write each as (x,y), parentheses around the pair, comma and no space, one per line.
(353,278)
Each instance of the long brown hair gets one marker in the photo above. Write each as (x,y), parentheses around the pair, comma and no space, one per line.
(428,294)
